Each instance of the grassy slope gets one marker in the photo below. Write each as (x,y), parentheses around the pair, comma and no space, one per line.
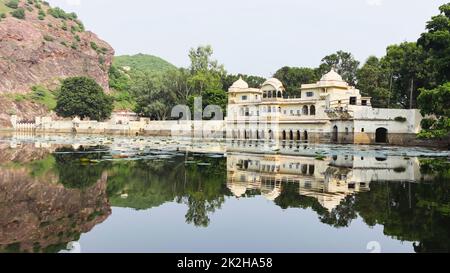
(138,63)
(143,62)
(3,8)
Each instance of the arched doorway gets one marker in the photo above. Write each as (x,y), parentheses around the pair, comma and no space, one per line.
(284,135)
(381,135)
(291,135)
(335,134)
(305,110)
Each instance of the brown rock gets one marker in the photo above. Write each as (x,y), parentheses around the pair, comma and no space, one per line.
(32,52)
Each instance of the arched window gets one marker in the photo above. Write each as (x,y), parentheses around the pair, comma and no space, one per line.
(312,110)
(284,135)
(291,135)
(335,134)
(265,95)
(269,94)
(305,110)
(298,135)
(280,95)
(274,94)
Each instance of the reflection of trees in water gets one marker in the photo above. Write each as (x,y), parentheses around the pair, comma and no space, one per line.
(151,183)
(78,169)
(410,212)
(415,212)
(204,191)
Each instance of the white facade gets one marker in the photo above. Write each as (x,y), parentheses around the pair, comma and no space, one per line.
(327,111)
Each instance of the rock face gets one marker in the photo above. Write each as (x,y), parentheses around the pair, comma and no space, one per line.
(43,51)
(29,109)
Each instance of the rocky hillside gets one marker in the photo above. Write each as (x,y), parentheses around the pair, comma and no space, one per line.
(41,45)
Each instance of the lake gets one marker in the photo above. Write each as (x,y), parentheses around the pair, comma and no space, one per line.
(64,193)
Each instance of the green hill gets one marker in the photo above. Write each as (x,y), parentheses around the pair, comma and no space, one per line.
(121,79)
(143,62)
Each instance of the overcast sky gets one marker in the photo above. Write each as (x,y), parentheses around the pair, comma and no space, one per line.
(254,36)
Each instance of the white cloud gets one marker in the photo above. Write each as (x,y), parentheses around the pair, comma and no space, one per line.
(374,2)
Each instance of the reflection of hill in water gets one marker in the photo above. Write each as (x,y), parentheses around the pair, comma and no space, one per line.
(408,196)
(39,214)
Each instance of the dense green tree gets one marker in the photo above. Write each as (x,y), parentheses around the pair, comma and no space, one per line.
(178,83)
(152,99)
(293,77)
(374,81)
(343,62)
(407,64)
(206,73)
(436,42)
(436,102)
(211,97)
(83,97)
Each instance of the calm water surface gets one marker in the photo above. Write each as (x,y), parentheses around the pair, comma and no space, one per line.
(92,194)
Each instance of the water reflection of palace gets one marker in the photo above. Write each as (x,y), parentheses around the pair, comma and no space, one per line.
(328,179)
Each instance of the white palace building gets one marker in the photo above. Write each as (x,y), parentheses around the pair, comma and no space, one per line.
(329,111)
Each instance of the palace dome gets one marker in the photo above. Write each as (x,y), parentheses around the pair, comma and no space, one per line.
(238,189)
(241,84)
(332,76)
(276,83)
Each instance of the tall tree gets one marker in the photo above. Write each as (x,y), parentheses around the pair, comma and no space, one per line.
(343,62)
(436,42)
(206,73)
(407,64)
(152,98)
(177,82)
(374,81)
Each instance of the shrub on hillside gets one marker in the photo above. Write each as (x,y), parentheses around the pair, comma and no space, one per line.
(14,4)
(18,13)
